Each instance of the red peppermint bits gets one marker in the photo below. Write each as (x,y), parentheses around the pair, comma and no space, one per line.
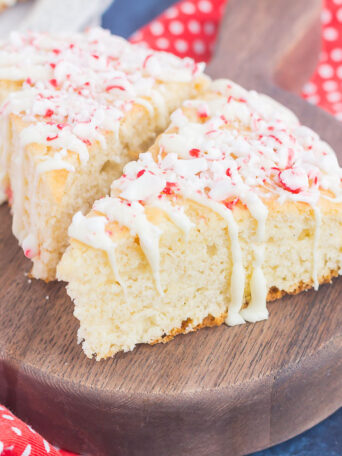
(147,58)
(51,138)
(28,81)
(194,152)
(29,253)
(293,180)
(111,87)
(210,132)
(231,203)
(228,172)
(56,51)
(140,173)
(313,176)
(86,142)
(49,113)
(202,113)
(9,194)
(290,158)
(53,65)
(194,69)
(53,82)
(169,188)
(276,139)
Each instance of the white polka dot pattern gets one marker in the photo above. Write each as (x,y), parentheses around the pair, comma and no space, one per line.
(325,87)
(187,28)
(19,439)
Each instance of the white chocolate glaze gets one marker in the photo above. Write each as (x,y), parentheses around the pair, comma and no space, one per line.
(237,280)
(77,58)
(227,149)
(80,86)
(68,92)
(176,214)
(132,215)
(92,231)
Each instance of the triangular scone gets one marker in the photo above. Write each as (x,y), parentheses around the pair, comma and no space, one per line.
(234,205)
(88,104)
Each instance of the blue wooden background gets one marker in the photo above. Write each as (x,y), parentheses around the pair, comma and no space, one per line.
(123,18)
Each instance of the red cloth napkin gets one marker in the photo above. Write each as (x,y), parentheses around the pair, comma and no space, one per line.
(19,439)
(189,28)
(325,87)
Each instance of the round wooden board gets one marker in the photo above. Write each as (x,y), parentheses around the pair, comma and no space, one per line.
(222,391)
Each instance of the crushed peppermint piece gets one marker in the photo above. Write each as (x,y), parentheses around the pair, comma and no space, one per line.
(194,152)
(48,113)
(140,173)
(294,180)
(51,138)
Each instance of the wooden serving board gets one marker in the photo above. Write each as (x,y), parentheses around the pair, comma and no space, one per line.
(223,391)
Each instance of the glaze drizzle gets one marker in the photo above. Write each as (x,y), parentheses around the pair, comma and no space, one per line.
(229,147)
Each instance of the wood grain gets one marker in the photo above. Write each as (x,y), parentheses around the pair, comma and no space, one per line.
(222,391)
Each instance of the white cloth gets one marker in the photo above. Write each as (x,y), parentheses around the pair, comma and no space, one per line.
(52,15)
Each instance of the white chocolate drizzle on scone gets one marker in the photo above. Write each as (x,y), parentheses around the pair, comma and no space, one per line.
(229,146)
(82,85)
(73,90)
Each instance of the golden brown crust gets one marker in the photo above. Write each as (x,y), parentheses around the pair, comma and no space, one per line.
(210,321)
(274,293)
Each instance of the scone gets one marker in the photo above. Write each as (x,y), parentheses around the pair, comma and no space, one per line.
(234,205)
(76,109)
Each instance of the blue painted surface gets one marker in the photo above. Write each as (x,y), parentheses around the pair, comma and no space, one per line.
(325,439)
(123,18)
(126,16)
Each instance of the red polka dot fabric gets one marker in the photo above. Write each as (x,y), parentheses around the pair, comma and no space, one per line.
(189,28)
(19,439)
(325,87)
